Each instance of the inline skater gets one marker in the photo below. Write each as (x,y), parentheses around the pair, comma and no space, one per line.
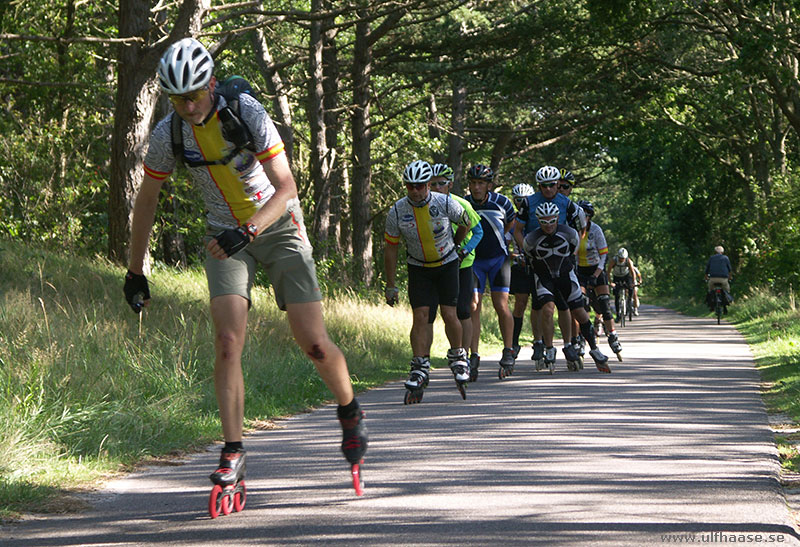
(442,182)
(718,271)
(547,178)
(592,255)
(422,219)
(253,217)
(551,252)
(566,183)
(520,278)
(492,264)
(620,268)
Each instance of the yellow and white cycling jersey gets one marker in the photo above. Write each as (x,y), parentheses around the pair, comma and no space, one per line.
(232,192)
(593,249)
(426,229)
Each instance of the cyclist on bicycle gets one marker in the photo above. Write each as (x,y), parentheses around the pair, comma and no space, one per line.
(620,268)
(592,255)
(551,252)
(719,271)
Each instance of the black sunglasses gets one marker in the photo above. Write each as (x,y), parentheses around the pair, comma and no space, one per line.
(547,184)
(564,186)
(416,185)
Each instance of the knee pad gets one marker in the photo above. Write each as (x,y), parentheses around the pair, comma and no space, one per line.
(604,307)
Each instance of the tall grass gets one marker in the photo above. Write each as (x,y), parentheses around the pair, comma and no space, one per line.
(86,389)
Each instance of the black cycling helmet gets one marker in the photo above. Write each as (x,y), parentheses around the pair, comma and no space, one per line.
(480,172)
(587,207)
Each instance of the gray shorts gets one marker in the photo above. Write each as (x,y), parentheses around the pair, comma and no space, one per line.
(285,253)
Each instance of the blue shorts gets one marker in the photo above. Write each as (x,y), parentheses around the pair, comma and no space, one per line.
(497,271)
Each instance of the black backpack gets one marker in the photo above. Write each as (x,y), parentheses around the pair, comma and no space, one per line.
(234,129)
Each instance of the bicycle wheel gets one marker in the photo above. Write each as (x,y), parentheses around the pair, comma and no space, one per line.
(629,307)
(623,312)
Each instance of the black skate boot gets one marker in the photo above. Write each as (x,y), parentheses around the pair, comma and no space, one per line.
(229,492)
(550,359)
(538,355)
(572,357)
(457,358)
(506,363)
(474,365)
(417,380)
(614,344)
(354,445)
(600,360)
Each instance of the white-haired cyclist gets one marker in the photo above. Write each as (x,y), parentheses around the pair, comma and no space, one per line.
(550,249)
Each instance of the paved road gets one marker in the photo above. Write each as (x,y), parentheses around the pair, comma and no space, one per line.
(674,442)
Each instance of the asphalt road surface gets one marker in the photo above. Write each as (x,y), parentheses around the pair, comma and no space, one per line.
(672,447)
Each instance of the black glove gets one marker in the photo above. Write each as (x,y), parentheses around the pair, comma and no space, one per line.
(462,254)
(136,290)
(233,240)
(592,281)
(392,295)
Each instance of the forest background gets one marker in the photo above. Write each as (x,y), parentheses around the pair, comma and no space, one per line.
(679,120)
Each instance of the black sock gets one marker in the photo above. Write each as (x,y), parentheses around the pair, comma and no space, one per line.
(517,329)
(348,411)
(233,447)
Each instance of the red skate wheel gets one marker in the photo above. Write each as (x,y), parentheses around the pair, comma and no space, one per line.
(227,496)
(358,484)
(239,497)
(215,501)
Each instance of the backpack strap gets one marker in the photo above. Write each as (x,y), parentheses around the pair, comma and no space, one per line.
(234,129)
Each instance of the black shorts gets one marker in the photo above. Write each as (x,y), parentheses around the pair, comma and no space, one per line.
(432,286)
(585,272)
(466,284)
(520,280)
(564,291)
(620,282)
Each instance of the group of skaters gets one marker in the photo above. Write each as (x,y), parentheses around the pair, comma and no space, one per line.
(543,247)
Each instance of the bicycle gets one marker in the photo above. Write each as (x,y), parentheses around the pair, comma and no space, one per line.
(623,305)
(720,301)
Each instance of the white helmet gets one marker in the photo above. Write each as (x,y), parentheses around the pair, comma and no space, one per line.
(418,172)
(548,173)
(443,170)
(622,253)
(184,67)
(547,209)
(522,190)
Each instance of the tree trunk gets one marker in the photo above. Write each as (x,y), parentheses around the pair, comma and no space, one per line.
(135,104)
(321,155)
(282,113)
(433,127)
(459,118)
(330,86)
(362,176)
(498,150)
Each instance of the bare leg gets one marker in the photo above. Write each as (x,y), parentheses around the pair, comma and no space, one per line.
(311,335)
